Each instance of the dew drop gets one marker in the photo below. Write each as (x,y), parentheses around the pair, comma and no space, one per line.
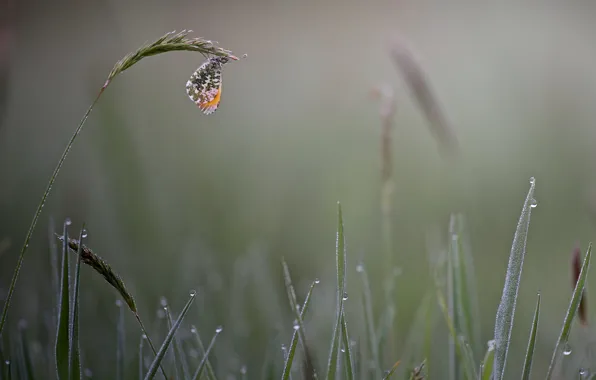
(584,373)
(7,362)
(119,303)
(360,268)
(385,373)
(317,281)
(143,336)
(193,293)
(296,326)
(343,349)
(491,344)
(532,181)
(84,234)
(345,297)
(193,330)
(534,203)
(218,329)
(567,349)
(67,221)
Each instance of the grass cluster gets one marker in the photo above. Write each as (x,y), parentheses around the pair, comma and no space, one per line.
(365,357)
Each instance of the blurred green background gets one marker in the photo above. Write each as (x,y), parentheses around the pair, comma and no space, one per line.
(176,200)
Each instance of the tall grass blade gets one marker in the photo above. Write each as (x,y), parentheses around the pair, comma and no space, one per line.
(340,258)
(74,355)
(62,330)
(120,343)
(369,320)
(573,305)
(210,372)
(506,309)
(462,348)
(452,305)
(531,343)
(201,366)
(298,323)
(488,362)
(295,337)
(166,343)
(390,373)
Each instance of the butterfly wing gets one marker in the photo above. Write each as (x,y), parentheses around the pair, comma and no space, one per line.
(204,86)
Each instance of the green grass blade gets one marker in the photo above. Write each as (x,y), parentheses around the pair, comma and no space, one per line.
(62,330)
(369,320)
(488,362)
(298,323)
(295,337)
(573,305)
(390,373)
(347,348)
(120,344)
(166,343)
(179,360)
(201,366)
(74,354)
(210,372)
(531,343)
(7,369)
(506,309)
(452,305)
(340,257)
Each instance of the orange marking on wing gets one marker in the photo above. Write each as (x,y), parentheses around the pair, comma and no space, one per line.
(213,102)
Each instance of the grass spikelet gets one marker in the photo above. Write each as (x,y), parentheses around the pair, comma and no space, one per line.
(419,85)
(167,43)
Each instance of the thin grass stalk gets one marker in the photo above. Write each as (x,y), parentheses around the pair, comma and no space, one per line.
(571,311)
(120,343)
(210,372)
(347,351)
(369,320)
(486,369)
(74,355)
(180,363)
(62,330)
(527,369)
(199,371)
(166,343)
(506,309)
(141,364)
(289,358)
(169,42)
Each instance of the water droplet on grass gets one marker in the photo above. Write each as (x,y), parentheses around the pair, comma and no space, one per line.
(360,268)
(67,221)
(345,297)
(84,234)
(567,349)
(534,203)
(218,329)
(193,293)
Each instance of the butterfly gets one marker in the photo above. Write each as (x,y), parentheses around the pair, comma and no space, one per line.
(204,85)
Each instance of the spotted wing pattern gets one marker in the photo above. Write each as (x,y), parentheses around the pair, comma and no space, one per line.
(204,85)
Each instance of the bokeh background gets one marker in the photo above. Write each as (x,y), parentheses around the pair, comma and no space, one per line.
(176,200)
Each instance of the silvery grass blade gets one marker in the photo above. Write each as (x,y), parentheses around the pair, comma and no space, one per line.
(506,309)
(531,343)
(340,258)
(571,311)
(179,360)
(347,348)
(166,343)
